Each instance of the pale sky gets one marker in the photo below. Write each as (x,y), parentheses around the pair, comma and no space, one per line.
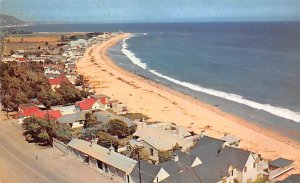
(98,11)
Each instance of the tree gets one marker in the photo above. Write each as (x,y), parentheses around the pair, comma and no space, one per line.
(118,128)
(90,121)
(49,98)
(143,154)
(64,134)
(43,131)
(20,83)
(133,129)
(164,156)
(106,140)
(7,104)
(68,93)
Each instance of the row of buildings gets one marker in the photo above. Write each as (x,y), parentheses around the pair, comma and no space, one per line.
(199,158)
(211,160)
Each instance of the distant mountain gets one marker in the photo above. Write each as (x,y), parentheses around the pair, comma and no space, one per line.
(10,21)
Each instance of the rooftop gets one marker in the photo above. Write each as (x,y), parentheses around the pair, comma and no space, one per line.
(101,153)
(71,118)
(161,139)
(280,162)
(230,139)
(105,116)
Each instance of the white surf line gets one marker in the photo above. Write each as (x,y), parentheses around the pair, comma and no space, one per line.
(277,111)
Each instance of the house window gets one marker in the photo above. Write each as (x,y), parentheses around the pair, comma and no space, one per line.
(245,169)
(231,172)
(254,165)
(151,152)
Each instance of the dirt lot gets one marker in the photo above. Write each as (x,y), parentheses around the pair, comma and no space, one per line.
(34,38)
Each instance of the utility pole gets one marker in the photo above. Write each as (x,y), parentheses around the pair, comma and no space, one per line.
(140,175)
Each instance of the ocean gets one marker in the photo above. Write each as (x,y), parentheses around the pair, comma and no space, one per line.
(250,69)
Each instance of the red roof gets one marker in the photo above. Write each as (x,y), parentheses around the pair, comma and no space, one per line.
(59,80)
(104,100)
(86,104)
(21,59)
(27,109)
(52,114)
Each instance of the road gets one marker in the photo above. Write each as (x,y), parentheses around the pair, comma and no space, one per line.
(29,163)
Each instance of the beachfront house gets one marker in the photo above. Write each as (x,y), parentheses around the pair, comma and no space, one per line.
(149,173)
(295,178)
(104,160)
(279,166)
(231,140)
(93,103)
(156,140)
(74,120)
(118,107)
(239,164)
(105,117)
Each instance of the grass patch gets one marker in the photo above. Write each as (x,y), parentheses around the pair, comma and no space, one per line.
(135,116)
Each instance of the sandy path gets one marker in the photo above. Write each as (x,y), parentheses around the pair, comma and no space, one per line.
(163,104)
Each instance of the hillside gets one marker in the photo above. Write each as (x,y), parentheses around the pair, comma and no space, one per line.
(7,20)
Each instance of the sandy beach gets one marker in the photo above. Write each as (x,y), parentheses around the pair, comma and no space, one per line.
(163,104)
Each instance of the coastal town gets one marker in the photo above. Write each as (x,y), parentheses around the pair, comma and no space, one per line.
(46,94)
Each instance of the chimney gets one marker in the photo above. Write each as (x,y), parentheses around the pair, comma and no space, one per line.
(179,131)
(111,150)
(202,133)
(175,157)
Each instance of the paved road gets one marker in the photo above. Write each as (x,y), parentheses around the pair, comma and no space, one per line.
(18,162)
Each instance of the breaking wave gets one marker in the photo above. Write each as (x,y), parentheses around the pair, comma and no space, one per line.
(278,111)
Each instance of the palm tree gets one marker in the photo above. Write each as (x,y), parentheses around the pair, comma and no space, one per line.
(81,81)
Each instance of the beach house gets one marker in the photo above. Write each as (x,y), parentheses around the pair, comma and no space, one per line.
(156,140)
(93,103)
(27,110)
(295,178)
(231,162)
(148,173)
(30,109)
(106,116)
(104,160)
(279,166)
(74,120)
(58,80)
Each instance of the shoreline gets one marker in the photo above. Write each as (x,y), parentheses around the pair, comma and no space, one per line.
(178,107)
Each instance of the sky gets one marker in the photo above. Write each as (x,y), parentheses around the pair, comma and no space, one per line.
(104,11)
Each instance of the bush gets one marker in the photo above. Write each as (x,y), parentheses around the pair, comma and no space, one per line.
(135,116)
(43,132)
(106,140)
(118,128)
(164,156)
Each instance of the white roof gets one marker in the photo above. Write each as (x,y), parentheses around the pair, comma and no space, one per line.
(101,153)
(161,139)
(230,139)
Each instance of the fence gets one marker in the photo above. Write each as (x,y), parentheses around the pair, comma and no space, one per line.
(60,146)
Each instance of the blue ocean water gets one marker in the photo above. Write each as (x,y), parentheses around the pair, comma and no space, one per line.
(249,69)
